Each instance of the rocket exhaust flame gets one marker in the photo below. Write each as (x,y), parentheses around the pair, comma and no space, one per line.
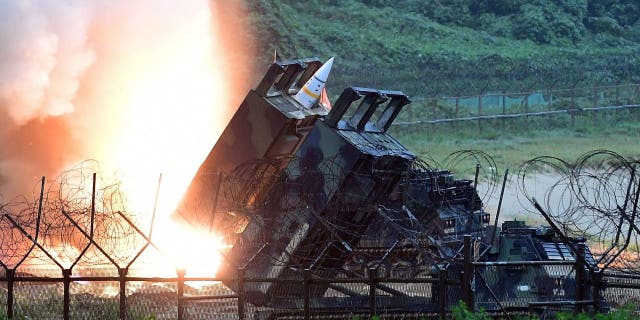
(144,88)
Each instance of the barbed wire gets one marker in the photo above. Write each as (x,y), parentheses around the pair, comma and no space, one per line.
(358,213)
(594,197)
(68,222)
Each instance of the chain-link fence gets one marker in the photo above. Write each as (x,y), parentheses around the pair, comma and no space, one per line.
(555,108)
(394,243)
(534,287)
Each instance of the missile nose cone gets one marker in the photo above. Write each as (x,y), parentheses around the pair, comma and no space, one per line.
(310,92)
(323,73)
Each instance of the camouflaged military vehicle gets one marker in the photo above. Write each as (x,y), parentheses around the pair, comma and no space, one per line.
(537,279)
(304,193)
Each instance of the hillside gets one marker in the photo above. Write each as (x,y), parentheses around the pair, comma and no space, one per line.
(434,47)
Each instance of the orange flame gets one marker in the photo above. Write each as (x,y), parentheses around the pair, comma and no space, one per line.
(173,110)
(144,87)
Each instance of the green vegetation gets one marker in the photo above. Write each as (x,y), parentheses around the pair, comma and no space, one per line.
(513,146)
(46,303)
(461,312)
(433,47)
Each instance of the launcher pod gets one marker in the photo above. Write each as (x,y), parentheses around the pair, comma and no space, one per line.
(269,125)
(325,198)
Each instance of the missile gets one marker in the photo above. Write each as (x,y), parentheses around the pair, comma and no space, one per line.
(310,92)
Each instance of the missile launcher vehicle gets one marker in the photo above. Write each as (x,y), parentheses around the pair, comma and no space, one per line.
(262,136)
(305,192)
(516,285)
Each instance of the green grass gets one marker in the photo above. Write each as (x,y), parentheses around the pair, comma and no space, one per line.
(461,312)
(46,304)
(433,49)
(512,147)
(397,45)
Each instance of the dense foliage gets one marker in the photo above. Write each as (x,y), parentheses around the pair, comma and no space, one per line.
(435,47)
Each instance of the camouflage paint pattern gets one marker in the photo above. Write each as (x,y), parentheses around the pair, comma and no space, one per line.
(301,192)
(516,286)
(328,196)
(269,124)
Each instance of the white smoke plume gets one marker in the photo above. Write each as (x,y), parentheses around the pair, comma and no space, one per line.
(44,51)
(72,74)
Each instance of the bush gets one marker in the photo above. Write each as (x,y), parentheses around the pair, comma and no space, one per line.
(461,312)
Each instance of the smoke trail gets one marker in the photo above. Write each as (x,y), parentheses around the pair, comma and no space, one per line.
(79,77)
(43,52)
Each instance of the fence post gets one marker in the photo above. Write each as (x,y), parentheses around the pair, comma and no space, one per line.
(504,110)
(181,273)
(579,276)
(573,106)
(550,108)
(442,293)
(635,101)
(122,274)
(241,293)
(597,286)
(595,105)
(66,275)
(479,111)
(526,110)
(11,273)
(434,107)
(572,114)
(434,104)
(307,294)
(467,273)
(457,110)
(373,275)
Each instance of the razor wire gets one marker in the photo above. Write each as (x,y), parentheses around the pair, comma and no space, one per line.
(594,197)
(386,196)
(393,223)
(65,207)
(392,235)
(464,162)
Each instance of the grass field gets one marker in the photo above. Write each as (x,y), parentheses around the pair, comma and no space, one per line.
(446,48)
(512,147)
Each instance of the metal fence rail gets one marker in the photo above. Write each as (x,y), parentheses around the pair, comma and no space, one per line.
(566,285)
(571,112)
(97,280)
(491,106)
